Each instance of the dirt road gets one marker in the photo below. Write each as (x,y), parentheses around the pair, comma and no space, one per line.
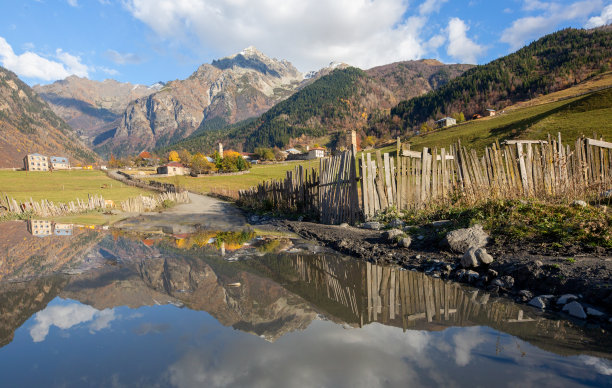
(201,213)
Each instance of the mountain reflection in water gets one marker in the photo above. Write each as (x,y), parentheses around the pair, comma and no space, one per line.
(101,308)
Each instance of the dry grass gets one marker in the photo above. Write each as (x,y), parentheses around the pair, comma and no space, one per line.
(63,186)
(257,174)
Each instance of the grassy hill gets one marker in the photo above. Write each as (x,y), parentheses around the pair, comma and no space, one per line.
(582,109)
(550,64)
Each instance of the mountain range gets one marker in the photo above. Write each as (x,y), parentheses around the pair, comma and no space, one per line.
(249,100)
(93,109)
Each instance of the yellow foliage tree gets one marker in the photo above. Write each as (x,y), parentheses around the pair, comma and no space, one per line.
(231,154)
(173,156)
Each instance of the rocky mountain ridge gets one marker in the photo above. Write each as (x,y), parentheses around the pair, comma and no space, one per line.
(226,91)
(92,108)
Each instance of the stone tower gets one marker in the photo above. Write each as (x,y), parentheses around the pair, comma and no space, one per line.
(221,150)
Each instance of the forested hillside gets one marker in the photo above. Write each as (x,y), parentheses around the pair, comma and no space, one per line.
(552,63)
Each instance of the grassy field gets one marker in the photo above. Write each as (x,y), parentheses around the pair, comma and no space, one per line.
(258,174)
(572,117)
(63,186)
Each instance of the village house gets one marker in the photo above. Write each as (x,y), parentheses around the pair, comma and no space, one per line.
(60,163)
(36,162)
(40,228)
(315,153)
(490,112)
(446,122)
(173,168)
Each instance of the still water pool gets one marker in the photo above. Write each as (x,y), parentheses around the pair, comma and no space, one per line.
(209,309)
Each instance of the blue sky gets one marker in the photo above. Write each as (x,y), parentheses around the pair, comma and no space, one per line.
(144,41)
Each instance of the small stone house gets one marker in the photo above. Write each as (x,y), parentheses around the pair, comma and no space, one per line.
(173,168)
(489,112)
(315,153)
(60,163)
(36,162)
(446,122)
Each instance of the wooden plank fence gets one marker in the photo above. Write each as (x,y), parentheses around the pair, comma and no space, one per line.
(516,169)
(46,208)
(329,194)
(545,169)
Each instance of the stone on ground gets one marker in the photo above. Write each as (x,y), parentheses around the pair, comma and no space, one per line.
(469,259)
(483,256)
(405,242)
(506,282)
(373,225)
(392,234)
(563,299)
(579,203)
(595,313)
(538,302)
(575,310)
(460,240)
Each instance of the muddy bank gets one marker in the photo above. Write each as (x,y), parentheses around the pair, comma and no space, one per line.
(519,271)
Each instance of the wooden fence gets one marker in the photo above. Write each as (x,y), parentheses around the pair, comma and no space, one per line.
(46,208)
(517,169)
(298,192)
(545,169)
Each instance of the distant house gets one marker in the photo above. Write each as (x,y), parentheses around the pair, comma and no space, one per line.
(446,122)
(173,168)
(315,153)
(490,112)
(247,156)
(40,228)
(60,163)
(36,162)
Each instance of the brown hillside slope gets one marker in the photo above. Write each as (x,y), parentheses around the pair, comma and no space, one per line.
(28,125)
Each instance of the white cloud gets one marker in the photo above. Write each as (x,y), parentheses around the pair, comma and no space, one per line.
(601,20)
(73,3)
(67,316)
(108,71)
(429,6)
(364,33)
(524,29)
(122,58)
(459,45)
(32,65)
(532,5)
(73,63)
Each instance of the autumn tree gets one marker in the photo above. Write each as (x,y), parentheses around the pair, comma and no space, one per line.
(200,165)
(185,156)
(173,156)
